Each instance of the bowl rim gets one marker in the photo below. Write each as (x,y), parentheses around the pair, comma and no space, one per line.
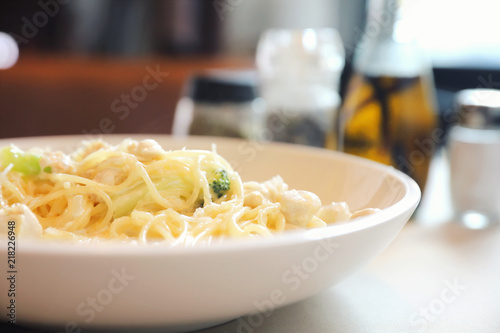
(407,204)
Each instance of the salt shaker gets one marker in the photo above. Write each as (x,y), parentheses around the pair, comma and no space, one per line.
(474,157)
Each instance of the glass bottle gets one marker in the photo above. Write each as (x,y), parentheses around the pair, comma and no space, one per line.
(220,103)
(299,72)
(388,114)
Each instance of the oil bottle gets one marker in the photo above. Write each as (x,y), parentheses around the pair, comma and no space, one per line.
(388,114)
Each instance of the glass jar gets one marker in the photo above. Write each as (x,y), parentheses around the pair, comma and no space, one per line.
(221,103)
(474,158)
(299,73)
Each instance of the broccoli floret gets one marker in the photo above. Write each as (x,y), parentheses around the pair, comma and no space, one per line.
(220,183)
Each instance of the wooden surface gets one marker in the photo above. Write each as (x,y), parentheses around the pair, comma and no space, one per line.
(43,95)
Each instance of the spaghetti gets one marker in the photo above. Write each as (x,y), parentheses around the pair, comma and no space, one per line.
(138,191)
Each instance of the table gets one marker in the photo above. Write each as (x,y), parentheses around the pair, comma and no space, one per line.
(430,279)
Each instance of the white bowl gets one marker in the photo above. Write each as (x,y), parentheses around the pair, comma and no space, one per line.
(74,286)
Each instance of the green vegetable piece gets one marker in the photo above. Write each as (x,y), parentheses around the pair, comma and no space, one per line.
(25,163)
(220,183)
(126,200)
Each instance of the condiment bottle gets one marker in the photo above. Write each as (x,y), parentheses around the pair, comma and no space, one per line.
(299,73)
(220,103)
(388,114)
(474,158)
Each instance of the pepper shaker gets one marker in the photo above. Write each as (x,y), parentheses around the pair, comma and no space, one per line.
(220,103)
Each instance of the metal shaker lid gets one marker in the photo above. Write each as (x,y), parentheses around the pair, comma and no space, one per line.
(479,108)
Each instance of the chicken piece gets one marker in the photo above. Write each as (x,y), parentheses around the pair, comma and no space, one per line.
(146,150)
(271,190)
(251,186)
(57,162)
(299,207)
(26,223)
(110,177)
(253,199)
(334,212)
(364,212)
(88,148)
(276,187)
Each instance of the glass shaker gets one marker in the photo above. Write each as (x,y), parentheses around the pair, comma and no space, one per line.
(220,103)
(389,113)
(299,72)
(474,158)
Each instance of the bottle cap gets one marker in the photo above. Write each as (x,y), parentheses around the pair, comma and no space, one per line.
(222,87)
(479,108)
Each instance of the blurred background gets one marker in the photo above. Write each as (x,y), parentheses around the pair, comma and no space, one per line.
(78,57)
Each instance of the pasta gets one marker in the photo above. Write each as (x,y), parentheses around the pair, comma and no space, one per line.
(138,191)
